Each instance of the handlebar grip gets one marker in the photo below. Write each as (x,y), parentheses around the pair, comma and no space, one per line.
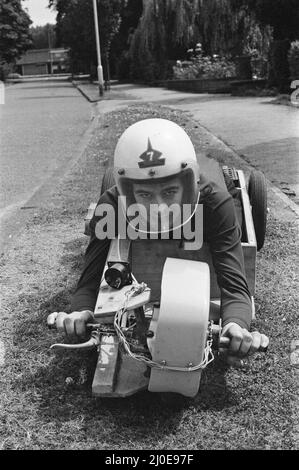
(224,344)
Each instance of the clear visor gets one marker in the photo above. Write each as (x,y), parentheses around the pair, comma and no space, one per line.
(158,205)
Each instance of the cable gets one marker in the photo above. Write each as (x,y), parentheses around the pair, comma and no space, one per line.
(135,290)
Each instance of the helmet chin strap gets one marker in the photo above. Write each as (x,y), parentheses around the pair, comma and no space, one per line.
(150,232)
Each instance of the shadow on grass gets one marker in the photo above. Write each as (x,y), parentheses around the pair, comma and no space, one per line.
(64,389)
(213,393)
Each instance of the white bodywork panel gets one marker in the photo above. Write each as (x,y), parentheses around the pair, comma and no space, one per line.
(180,330)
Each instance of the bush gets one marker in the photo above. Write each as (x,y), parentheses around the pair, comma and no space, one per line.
(205,67)
(293,59)
(279,72)
(5,69)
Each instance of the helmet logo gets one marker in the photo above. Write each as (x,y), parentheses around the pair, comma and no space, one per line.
(151,157)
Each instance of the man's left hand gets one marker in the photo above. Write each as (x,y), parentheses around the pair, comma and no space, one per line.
(242,343)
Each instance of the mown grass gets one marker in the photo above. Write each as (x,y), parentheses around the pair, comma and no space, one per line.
(45,398)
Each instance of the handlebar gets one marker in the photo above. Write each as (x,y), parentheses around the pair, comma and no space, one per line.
(219,342)
(224,344)
(92,343)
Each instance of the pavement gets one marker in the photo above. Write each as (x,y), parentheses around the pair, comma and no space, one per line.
(264,134)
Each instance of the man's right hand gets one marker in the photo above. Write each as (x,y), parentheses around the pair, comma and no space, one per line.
(73,325)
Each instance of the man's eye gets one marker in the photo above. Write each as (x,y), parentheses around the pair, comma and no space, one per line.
(145,195)
(171,192)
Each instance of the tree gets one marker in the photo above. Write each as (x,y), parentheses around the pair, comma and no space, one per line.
(231,27)
(281,15)
(165,30)
(43,37)
(173,21)
(75,29)
(131,12)
(14,31)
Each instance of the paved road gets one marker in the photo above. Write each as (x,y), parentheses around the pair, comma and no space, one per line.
(265,134)
(41,125)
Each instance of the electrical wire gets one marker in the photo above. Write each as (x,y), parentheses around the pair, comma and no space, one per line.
(136,289)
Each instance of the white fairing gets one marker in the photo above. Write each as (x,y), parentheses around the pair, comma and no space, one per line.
(180,326)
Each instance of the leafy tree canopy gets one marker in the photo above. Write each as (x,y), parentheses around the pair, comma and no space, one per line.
(43,36)
(131,12)
(164,32)
(75,28)
(282,15)
(14,30)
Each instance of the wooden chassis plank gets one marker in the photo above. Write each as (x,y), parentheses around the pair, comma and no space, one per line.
(106,369)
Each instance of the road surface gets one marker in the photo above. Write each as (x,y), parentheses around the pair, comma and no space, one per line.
(41,125)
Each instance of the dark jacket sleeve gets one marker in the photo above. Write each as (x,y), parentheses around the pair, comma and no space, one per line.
(86,292)
(224,235)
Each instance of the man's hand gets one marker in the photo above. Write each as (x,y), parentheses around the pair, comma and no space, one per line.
(73,325)
(242,343)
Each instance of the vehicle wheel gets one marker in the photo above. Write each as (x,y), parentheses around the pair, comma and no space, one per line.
(257,192)
(108,180)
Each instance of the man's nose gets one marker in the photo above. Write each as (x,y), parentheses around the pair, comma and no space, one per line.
(159,200)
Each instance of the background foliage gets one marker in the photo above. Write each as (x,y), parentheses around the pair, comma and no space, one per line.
(43,36)
(14,33)
(75,29)
(206,67)
(293,58)
(143,39)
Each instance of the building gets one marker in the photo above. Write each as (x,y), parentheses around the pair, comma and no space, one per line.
(44,62)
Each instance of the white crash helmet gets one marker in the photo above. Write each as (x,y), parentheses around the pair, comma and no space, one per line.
(153,150)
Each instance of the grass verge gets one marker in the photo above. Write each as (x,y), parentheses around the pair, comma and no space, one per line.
(45,397)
